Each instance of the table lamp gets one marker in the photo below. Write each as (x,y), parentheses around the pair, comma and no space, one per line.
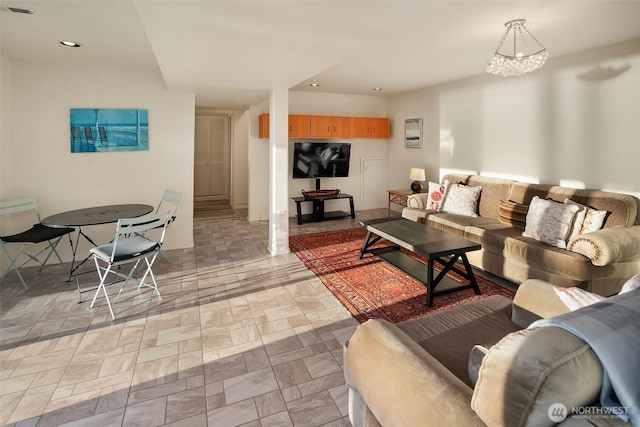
(417,175)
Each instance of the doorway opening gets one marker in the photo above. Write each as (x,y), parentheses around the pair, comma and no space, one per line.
(212,167)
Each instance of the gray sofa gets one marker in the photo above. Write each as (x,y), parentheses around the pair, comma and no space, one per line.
(598,261)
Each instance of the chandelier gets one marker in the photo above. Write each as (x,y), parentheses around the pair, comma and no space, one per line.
(521,59)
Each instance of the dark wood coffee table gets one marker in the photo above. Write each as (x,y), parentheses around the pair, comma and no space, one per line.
(435,245)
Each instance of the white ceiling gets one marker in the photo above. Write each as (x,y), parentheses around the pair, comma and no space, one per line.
(231,53)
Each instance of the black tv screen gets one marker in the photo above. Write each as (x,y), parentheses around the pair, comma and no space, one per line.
(321,159)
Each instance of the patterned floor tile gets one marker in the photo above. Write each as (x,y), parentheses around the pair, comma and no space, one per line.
(240,338)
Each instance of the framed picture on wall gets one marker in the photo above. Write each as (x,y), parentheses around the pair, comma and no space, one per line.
(95,130)
(413,133)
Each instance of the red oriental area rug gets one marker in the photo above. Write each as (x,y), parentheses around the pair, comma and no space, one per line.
(371,287)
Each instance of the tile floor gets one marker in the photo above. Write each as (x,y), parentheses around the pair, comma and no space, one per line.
(240,338)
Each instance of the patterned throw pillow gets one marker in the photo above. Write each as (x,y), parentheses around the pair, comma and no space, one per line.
(575,298)
(513,214)
(461,199)
(436,195)
(631,284)
(549,221)
(587,219)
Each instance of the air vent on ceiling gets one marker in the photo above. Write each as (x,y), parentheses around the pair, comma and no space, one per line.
(17,10)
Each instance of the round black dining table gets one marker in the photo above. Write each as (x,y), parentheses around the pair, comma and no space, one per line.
(96,215)
(92,216)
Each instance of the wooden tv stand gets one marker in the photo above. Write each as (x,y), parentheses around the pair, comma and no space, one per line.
(318,213)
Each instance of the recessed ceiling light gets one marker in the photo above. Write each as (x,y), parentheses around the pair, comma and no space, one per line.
(377,89)
(70,43)
(314,84)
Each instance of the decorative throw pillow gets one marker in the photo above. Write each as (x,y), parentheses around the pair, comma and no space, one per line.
(549,221)
(436,195)
(631,284)
(593,220)
(513,214)
(461,199)
(587,219)
(575,298)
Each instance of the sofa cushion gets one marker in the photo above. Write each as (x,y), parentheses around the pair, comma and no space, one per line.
(528,371)
(461,199)
(510,243)
(456,224)
(549,221)
(449,335)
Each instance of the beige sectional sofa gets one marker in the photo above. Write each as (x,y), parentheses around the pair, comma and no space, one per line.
(420,373)
(599,261)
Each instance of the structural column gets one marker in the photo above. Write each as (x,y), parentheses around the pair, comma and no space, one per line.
(278,172)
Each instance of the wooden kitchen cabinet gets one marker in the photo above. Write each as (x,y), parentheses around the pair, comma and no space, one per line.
(298,126)
(370,127)
(330,127)
(305,126)
(263,126)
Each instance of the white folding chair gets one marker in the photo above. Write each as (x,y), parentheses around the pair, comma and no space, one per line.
(130,246)
(169,203)
(38,233)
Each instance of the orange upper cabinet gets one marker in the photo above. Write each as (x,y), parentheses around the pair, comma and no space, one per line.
(298,126)
(370,127)
(263,126)
(330,127)
(305,126)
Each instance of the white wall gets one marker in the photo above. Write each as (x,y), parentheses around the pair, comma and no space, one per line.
(556,125)
(258,167)
(5,121)
(240,161)
(36,157)
(322,104)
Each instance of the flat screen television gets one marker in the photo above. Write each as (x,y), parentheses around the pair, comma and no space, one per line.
(321,159)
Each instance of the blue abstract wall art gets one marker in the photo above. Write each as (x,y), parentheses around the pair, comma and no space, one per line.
(96,130)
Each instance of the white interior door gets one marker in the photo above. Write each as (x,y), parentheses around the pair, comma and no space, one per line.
(373,184)
(212,159)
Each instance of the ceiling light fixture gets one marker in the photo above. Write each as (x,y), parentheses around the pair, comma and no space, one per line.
(521,59)
(314,84)
(69,43)
(377,89)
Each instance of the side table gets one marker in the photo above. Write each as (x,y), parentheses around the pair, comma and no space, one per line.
(399,197)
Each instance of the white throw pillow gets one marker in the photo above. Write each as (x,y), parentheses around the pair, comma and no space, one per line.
(549,221)
(461,199)
(436,195)
(631,284)
(575,298)
(587,219)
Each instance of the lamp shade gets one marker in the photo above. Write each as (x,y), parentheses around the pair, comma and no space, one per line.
(417,174)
